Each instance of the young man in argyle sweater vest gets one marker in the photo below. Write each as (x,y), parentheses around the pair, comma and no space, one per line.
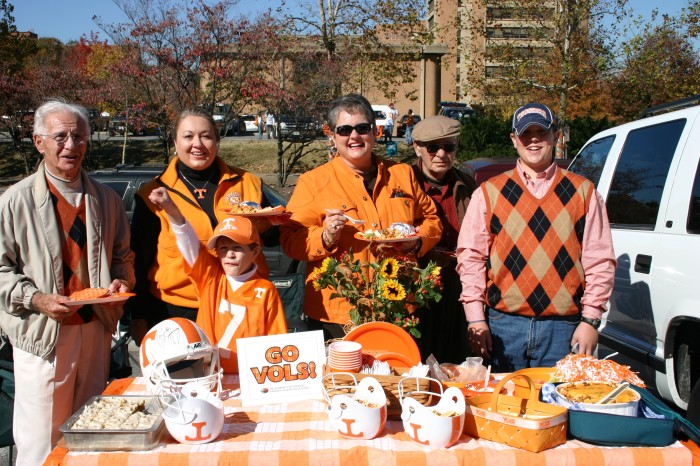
(535,256)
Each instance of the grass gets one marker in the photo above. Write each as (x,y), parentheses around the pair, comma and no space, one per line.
(256,156)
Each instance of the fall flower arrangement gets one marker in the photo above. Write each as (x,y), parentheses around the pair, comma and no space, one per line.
(394,288)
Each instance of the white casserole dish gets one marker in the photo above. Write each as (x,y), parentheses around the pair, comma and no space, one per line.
(627,408)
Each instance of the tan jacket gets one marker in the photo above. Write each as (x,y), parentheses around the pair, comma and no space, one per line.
(397,197)
(30,254)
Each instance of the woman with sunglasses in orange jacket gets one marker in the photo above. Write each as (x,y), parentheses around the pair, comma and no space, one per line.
(360,185)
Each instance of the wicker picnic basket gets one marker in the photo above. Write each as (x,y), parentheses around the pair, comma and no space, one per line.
(341,382)
(525,423)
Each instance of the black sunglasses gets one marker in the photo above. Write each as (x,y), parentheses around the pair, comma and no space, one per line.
(346,130)
(447,147)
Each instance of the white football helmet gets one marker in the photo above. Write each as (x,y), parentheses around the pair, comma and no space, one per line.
(358,415)
(438,426)
(192,413)
(175,352)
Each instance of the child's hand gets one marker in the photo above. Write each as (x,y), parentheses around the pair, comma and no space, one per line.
(161,198)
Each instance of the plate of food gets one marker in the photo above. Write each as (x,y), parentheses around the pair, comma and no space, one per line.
(396,233)
(253,209)
(96,296)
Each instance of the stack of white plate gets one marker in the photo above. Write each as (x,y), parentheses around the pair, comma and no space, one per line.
(345,356)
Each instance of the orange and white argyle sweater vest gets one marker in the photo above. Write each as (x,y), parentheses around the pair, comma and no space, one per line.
(534,267)
(73,233)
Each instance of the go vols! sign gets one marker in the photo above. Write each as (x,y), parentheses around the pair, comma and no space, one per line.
(281,368)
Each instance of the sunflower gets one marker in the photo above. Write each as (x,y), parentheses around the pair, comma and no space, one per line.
(390,268)
(324,265)
(393,290)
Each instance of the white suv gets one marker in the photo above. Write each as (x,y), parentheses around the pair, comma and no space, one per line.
(647,171)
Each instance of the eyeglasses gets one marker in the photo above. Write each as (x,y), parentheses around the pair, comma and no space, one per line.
(62,138)
(346,130)
(447,147)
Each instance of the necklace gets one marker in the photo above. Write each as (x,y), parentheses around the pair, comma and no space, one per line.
(200,192)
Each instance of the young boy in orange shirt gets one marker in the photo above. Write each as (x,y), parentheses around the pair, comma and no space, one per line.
(234,301)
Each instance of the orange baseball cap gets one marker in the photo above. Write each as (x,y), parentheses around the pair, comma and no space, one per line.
(238,228)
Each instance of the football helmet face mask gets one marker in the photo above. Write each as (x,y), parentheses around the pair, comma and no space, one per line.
(192,413)
(175,352)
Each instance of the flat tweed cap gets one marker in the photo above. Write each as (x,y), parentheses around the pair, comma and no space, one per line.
(435,127)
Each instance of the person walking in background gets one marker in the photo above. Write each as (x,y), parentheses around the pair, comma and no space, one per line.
(271,126)
(443,327)
(205,187)
(235,301)
(409,127)
(364,186)
(391,115)
(60,233)
(259,120)
(535,249)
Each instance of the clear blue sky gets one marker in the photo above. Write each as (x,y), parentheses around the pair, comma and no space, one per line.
(67,20)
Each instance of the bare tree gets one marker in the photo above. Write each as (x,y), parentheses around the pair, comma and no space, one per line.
(540,50)
(370,44)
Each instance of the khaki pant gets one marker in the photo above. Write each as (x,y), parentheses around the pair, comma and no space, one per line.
(48,392)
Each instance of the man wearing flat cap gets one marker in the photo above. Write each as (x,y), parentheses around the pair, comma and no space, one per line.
(443,327)
(535,256)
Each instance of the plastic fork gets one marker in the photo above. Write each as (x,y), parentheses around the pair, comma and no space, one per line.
(354,221)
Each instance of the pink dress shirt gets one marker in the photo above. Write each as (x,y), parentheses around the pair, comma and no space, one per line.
(474,243)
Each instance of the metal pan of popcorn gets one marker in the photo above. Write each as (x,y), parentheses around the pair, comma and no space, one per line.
(111,423)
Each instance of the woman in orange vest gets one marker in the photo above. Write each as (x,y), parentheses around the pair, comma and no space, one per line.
(204,188)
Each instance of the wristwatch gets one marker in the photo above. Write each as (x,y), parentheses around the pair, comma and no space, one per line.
(595,323)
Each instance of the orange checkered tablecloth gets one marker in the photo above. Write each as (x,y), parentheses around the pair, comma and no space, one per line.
(299,433)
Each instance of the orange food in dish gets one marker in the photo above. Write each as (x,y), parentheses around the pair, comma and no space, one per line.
(89,293)
(579,367)
(593,392)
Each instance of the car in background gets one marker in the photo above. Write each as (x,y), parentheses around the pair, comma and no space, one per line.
(380,114)
(401,125)
(126,180)
(297,127)
(25,122)
(250,125)
(482,169)
(379,119)
(97,121)
(456,110)
(136,124)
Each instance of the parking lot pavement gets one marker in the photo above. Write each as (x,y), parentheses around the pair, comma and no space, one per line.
(134,359)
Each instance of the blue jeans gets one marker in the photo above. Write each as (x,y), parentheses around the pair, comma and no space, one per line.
(409,131)
(520,342)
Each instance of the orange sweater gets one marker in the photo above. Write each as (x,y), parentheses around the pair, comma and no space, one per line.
(335,186)
(167,276)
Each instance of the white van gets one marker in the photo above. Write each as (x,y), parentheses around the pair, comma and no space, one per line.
(647,171)
(380,113)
